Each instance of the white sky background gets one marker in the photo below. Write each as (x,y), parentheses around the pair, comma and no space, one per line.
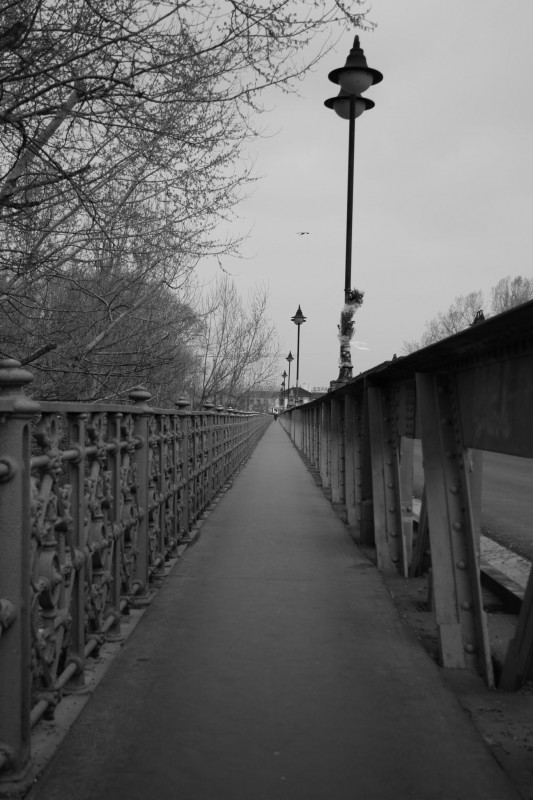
(443,181)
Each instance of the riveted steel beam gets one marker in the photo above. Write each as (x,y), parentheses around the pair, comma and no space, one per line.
(391,551)
(493,418)
(337,450)
(325,443)
(459,611)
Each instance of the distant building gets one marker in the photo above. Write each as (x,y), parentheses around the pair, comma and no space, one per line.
(268,399)
(304,395)
(264,400)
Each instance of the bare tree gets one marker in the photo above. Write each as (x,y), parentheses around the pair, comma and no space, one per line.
(467,309)
(459,316)
(123,125)
(100,334)
(237,344)
(80,79)
(510,292)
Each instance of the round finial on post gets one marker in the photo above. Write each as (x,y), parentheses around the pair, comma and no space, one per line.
(13,377)
(182,403)
(139,395)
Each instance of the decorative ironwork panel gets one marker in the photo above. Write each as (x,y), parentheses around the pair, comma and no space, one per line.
(100,499)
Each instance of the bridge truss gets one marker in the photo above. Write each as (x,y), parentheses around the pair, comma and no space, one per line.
(469,393)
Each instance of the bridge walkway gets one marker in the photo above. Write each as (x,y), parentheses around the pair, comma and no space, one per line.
(272,665)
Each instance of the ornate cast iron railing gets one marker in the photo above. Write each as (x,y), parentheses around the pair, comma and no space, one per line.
(469,393)
(94,500)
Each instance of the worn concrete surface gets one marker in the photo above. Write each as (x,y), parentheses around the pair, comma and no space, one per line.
(272,665)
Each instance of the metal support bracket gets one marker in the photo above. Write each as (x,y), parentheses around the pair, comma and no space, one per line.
(453,537)
(389,529)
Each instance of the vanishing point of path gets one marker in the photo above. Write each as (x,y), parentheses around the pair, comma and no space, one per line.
(272,665)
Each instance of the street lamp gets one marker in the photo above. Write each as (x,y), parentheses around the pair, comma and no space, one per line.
(289,358)
(298,320)
(354,78)
(282,391)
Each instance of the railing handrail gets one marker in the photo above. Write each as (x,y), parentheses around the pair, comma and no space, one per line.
(497,338)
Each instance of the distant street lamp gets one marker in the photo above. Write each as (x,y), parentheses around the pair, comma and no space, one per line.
(298,320)
(354,78)
(289,358)
(281,403)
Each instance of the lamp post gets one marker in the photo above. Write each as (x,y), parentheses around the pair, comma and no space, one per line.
(281,403)
(298,320)
(354,78)
(289,358)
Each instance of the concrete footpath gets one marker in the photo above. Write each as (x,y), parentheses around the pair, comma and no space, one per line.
(272,665)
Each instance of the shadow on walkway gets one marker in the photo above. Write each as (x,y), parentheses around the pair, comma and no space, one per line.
(273,665)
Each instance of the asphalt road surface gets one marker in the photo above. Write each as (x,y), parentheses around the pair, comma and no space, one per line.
(507,499)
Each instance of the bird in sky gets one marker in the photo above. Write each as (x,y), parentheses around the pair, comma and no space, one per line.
(303,233)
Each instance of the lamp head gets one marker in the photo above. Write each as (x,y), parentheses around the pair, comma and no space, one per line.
(298,318)
(356,76)
(341,104)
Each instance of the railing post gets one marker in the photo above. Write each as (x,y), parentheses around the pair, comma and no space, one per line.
(185,515)
(292,422)
(406,492)
(209,454)
(325,436)
(142,412)
(315,437)
(336,477)
(16,411)
(352,454)
(156,489)
(367,500)
(305,433)
(299,429)
(182,464)
(76,478)
(386,490)
(114,461)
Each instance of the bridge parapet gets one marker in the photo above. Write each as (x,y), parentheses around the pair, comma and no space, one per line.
(466,394)
(94,501)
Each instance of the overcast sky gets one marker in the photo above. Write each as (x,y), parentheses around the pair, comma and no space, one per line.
(443,180)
